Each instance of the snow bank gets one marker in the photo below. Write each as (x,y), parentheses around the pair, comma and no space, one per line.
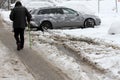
(5,15)
(115,27)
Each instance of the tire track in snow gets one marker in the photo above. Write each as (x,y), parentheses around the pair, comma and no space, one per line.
(63,44)
(87,67)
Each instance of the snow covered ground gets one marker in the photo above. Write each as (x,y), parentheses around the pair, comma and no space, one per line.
(103,51)
(11,68)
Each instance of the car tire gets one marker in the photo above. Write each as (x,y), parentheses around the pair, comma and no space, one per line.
(46,25)
(89,23)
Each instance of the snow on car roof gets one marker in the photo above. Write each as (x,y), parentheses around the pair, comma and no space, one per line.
(52,7)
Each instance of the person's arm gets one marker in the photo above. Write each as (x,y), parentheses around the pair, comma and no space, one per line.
(28,16)
(12,15)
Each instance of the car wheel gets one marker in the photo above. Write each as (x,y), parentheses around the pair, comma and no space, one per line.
(46,25)
(89,23)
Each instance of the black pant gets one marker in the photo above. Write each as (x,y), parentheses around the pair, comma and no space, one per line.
(19,36)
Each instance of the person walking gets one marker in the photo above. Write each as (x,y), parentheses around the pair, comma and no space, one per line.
(20,17)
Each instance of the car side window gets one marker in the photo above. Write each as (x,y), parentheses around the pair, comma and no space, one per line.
(44,11)
(56,11)
(52,11)
(69,11)
(59,11)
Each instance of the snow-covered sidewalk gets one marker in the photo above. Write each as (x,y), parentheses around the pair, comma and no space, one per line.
(11,68)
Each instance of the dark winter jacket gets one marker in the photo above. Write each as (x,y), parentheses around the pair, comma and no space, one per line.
(20,16)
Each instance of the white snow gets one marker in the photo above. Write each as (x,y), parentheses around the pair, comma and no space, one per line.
(114,28)
(36,4)
(80,6)
(5,15)
(109,59)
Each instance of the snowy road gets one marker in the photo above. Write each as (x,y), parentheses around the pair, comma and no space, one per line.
(40,68)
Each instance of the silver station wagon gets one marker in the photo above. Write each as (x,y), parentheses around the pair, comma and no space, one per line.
(61,17)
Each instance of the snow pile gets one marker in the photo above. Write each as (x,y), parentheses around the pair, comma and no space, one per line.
(5,15)
(114,28)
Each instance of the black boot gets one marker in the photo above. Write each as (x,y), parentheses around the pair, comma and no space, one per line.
(21,46)
(18,46)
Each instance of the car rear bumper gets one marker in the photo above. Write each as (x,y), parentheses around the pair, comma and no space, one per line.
(33,24)
(98,21)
